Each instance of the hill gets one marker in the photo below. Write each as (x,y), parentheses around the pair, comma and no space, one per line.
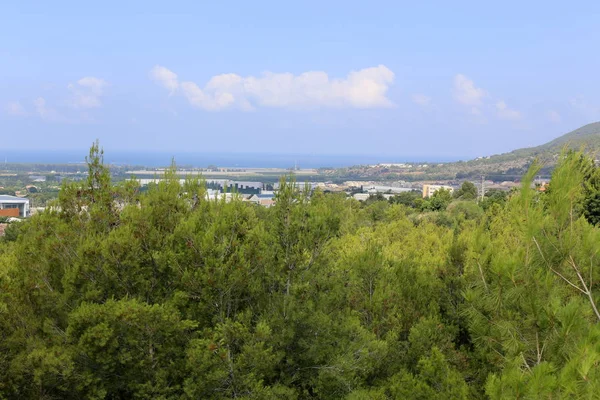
(517,161)
(500,167)
(587,136)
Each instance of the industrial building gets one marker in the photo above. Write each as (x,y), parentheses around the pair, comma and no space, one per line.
(11,206)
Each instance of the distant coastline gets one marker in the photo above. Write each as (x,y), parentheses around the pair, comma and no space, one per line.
(202,160)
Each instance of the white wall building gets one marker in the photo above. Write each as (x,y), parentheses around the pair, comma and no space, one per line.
(429,190)
(11,202)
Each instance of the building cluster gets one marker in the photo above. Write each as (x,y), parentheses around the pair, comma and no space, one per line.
(265,198)
(15,207)
(399,165)
(258,193)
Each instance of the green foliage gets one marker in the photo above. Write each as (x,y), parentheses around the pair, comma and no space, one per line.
(166,294)
(7,191)
(12,231)
(439,201)
(127,347)
(591,208)
(409,199)
(468,210)
(494,197)
(467,191)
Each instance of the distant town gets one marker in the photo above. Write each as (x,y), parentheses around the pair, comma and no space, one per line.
(26,189)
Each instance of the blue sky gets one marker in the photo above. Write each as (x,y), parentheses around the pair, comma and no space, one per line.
(444,79)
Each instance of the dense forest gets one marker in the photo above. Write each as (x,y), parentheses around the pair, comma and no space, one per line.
(114,294)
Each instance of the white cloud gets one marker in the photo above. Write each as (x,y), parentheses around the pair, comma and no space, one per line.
(507,113)
(86,93)
(40,107)
(465,91)
(554,116)
(165,77)
(46,113)
(365,88)
(96,85)
(15,108)
(421,99)
(467,94)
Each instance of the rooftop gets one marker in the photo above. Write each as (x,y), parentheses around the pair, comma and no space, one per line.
(12,199)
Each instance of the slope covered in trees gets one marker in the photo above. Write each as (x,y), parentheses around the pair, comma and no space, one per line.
(117,294)
(500,167)
(516,163)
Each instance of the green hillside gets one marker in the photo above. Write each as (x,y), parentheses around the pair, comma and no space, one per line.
(517,161)
(587,136)
(500,167)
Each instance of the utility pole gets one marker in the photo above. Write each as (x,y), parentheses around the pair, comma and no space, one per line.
(482,187)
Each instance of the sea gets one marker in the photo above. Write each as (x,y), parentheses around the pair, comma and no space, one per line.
(202,160)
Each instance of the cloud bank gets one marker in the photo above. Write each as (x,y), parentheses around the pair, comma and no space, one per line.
(15,108)
(82,95)
(365,88)
(47,113)
(86,92)
(468,94)
(507,113)
(465,91)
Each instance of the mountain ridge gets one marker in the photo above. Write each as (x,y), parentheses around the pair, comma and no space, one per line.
(586,135)
(516,162)
(509,166)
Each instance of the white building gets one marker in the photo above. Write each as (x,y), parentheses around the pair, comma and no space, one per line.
(361,196)
(265,198)
(429,190)
(9,203)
